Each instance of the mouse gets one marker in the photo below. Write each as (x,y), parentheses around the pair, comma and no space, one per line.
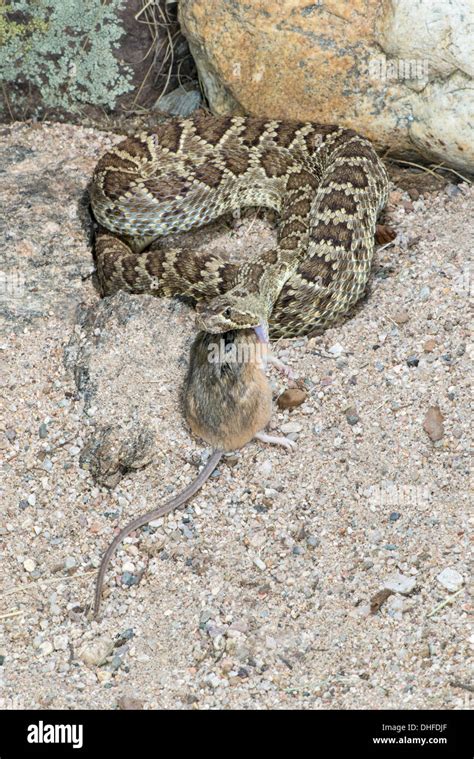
(227,402)
(227,397)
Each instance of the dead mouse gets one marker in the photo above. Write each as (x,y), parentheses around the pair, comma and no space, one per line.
(227,402)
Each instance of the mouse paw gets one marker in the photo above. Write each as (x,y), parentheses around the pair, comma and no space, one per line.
(285,442)
(285,370)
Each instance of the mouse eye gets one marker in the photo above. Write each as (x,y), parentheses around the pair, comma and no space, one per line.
(228,312)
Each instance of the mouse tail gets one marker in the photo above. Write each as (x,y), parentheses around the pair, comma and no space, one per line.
(149,516)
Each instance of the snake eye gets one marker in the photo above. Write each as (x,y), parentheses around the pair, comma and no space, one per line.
(228,312)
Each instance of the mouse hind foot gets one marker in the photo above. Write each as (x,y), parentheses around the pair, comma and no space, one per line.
(283,369)
(290,445)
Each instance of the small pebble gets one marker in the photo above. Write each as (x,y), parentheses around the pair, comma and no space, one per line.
(212,680)
(265,468)
(96,652)
(29,565)
(104,676)
(60,642)
(43,431)
(116,663)
(452,190)
(186,531)
(289,427)
(205,616)
(424,293)
(450,579)
(336,350)
(69,562)
(259,563)
(270,493)
(352,416)
(396,606)
(124,636)
(179,102)
(413,361)
(45,648)
(429,346)
(129,579)
(401,317)
(399,583)
(292,398)
(129,703)
(433,423)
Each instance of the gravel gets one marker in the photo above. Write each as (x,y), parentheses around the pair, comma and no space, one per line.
(266,602)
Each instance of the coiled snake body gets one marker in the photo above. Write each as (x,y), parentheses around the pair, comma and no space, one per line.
(327,184)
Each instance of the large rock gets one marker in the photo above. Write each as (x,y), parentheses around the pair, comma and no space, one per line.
(400,72)
(93,55)
(45,225)
(128,354)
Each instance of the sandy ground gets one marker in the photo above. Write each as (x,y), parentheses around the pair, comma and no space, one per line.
(258,594)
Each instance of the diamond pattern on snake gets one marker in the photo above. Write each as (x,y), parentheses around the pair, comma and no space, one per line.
(327,184)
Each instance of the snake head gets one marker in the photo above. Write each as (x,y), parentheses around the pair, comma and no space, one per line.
(233,310)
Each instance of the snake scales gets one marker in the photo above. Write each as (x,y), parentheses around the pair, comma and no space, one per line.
(327,184)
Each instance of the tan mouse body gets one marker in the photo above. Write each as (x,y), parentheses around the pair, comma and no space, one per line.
(227,401)
(227,397)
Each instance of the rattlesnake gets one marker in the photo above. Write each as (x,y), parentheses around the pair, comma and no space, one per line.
(326,182)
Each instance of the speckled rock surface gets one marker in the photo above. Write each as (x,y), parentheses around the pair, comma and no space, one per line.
(259,593)
(400,72)
(113,353)
(45,221)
